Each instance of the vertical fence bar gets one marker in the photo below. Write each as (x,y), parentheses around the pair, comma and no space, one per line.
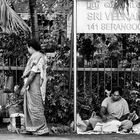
(92,71)
(84,80)
(98,77)
(90,77)
(4,78)
(138,79)
(23,62)
(66,87)
(118,78)
(1,96)
(111,74)
(104,77)
(3,69)
(131,76)
(9,62)
(124,80)
(16,70)
(65,81)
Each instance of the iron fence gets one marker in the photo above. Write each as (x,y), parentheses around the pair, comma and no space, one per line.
(90,77)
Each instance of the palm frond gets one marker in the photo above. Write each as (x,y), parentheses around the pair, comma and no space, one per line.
(121,5)
(10,22)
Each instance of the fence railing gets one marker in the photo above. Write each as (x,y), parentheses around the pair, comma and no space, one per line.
(132,73)
(90,78)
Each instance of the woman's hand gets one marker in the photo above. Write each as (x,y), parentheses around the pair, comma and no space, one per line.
(23,90)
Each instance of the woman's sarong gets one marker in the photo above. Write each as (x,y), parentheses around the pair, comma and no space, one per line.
(35,120)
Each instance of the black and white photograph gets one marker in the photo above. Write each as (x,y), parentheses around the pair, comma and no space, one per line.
(69,69)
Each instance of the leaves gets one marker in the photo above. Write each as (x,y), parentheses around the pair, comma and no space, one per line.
(59,104)
(101,48)
(120,5)
(12,46)
(10,21)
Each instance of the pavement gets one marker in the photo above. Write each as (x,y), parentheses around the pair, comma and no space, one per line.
(6,135)
(15,136)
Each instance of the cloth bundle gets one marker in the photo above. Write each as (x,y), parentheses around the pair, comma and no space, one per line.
(108,127)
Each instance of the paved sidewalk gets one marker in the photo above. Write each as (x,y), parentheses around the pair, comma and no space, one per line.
(6,135)
(70,137)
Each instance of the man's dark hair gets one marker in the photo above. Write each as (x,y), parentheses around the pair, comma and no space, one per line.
(119,89)
(34,44)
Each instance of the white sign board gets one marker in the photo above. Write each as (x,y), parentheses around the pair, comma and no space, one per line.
(99,16)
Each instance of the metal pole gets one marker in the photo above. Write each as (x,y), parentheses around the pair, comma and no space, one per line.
(75,63)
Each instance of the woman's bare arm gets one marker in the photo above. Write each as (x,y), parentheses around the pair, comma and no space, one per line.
(30,79)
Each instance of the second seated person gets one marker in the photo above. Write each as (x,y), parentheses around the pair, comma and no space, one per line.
(113,108)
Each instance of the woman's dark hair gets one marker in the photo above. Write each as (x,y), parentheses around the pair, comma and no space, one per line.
(117,89)
(34,44)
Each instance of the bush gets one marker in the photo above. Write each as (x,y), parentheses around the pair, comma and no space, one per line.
(59,104)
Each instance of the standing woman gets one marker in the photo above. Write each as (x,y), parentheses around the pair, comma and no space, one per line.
(34,76)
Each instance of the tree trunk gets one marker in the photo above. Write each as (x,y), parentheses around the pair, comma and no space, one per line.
(34,20)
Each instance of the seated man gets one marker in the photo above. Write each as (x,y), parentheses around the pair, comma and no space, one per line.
(113,108)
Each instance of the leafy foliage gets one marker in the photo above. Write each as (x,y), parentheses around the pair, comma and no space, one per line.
(13,46)
(55,37)
(105,47)
(59,104)
(99,50)
(107,51)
